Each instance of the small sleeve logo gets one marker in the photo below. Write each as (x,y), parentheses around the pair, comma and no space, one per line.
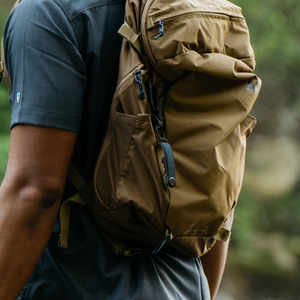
(18,97)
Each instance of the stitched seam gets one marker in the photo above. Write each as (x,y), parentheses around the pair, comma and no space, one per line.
(72,18)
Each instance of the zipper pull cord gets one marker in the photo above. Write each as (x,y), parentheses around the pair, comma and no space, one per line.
(161,29)
(168,238)
(138,79)
(169,177)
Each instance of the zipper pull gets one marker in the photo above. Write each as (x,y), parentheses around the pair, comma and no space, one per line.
(169,178)
(161,29)
(138,79)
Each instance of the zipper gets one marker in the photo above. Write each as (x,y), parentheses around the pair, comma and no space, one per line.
(139,80)
(145,43)
(160,22)
(125,83)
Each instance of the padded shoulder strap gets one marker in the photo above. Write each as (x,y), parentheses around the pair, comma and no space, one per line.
(3,71)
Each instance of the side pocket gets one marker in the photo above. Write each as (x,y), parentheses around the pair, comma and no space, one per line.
(128,173)
(139,183)
(112,159)
(123,126)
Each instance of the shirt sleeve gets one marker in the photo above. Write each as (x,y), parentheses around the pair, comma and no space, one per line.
(47,71)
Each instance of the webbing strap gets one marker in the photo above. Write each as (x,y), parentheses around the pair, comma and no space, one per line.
(133,38)
(149,23)
(75,177)
(119,247)
(65,211)
(223,235)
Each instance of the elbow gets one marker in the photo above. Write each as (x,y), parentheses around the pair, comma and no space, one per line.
(39,198)
(39,194)
(30,205)
(49,198)
(44,196)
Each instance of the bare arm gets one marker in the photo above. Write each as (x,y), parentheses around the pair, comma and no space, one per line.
(30,198)
(214,263)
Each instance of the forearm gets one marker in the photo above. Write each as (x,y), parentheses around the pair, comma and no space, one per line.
(25,228)
(214,262)
(214,266)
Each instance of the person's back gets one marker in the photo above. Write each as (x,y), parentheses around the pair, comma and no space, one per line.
(62,57)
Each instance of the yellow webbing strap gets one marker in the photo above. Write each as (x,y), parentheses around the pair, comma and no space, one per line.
(65,211)
(65,208)
(119,247)
(75,177)
(133,38)
(149,23)
(223,235)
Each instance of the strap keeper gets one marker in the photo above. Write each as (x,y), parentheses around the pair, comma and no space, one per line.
(118,247)
(149,23)
(63,241)
(132,37)
(65,211)
(223,235)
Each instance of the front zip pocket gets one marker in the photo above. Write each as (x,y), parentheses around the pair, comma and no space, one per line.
(171,32)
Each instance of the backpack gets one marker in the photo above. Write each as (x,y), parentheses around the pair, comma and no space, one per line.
(171,166)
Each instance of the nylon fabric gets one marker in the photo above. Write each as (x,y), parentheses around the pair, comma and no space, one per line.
(193,28)
(199,63)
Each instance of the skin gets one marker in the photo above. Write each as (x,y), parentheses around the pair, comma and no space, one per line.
(214,262)
(30,197)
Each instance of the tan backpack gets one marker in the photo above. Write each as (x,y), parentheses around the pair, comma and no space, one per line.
(171,166)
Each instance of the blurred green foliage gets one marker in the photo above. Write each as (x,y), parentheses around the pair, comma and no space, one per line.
(5,108)
(265,249)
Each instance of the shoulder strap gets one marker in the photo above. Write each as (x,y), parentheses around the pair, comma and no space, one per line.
(133,38)
(116,245)
(3,71)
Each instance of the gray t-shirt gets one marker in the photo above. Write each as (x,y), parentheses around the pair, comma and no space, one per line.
(62,57)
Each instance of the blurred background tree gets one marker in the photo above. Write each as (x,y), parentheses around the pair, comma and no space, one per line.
(5,6)
(264,257)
